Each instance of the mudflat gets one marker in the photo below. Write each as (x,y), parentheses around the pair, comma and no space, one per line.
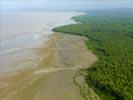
(52,78)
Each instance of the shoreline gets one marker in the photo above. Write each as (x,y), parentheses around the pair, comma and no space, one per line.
(54,24)
(57,60)
(18,49)
(63,46)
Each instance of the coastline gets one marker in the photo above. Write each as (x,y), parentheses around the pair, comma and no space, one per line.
(20,48)
(57,60)
(7,33)
(55,64)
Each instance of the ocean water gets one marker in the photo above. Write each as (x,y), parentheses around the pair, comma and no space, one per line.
(14,23)
(21,32)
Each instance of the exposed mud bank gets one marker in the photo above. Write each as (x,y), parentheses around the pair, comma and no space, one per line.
(52,78)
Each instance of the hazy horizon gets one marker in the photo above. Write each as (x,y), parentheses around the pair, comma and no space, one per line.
(64,4)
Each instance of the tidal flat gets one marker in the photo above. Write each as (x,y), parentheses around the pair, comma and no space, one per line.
(23,32)
(42,64)
(63,56)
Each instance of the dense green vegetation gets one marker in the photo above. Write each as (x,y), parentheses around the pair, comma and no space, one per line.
(110,37)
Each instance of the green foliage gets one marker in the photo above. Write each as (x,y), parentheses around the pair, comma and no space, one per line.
(111,39)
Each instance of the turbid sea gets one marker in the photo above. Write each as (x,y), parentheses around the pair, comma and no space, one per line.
(23,31)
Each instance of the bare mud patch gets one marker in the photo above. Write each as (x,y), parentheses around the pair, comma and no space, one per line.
(52,78)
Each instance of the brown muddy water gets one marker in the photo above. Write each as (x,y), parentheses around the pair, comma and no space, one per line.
(42,67)
(23,32)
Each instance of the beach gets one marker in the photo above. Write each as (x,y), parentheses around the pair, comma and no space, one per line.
(44,67)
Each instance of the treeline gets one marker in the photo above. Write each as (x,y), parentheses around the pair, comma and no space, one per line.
(111,39)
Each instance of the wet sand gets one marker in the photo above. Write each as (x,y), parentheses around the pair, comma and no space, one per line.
(52,78)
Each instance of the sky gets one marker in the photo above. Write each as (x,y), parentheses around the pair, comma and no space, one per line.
(64,4)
